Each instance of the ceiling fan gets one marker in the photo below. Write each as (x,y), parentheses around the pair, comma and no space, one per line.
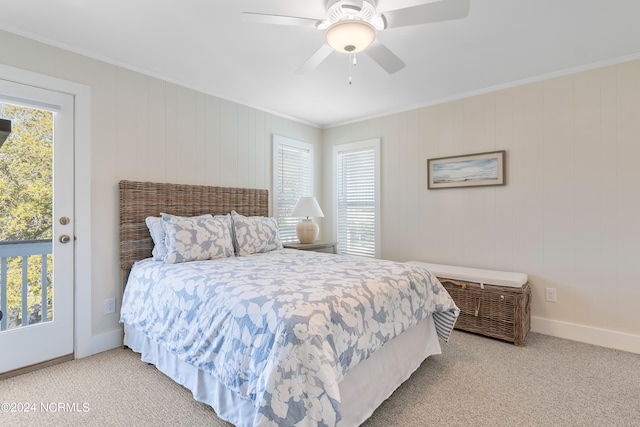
(352,26)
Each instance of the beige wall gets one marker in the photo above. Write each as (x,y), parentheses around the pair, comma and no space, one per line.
(143,128)
(568,216)
(149,130)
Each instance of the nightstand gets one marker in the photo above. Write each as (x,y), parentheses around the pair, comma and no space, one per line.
(329,247)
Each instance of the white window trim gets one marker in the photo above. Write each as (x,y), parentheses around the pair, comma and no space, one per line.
(358,146)
(277,142)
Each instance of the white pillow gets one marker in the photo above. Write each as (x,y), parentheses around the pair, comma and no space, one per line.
(196,238)
(255,234)
(157,235)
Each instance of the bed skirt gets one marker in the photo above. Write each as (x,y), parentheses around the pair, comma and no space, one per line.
(362,389)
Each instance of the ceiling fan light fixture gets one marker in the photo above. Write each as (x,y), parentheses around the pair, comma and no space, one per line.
(350,35)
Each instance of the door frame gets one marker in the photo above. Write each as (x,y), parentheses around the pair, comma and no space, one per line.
(84,344)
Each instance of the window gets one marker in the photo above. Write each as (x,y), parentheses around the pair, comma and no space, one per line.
(293,178)
(358,197)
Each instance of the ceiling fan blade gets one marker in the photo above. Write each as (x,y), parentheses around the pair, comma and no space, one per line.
(384,57)
(315,59)
(443,10)
(263,18)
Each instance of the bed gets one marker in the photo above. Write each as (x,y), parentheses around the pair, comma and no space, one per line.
(265,335)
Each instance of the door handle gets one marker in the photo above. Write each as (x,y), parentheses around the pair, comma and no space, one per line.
(65,238)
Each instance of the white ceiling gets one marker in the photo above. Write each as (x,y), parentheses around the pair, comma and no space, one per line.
(204,45)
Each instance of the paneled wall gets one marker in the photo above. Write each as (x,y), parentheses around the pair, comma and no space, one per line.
(143,128)
(568,216)
(166,133)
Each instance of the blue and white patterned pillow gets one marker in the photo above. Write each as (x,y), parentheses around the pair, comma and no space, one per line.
(154,224)
(255,234)
(197,238)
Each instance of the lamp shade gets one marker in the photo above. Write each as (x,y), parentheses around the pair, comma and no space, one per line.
(308,207)
(350,35)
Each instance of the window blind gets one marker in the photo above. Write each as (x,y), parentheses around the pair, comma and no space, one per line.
(293,181)
(356,202)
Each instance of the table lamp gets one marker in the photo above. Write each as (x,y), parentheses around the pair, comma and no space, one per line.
(307,230)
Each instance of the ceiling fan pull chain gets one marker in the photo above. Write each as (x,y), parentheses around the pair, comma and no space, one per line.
(351,64)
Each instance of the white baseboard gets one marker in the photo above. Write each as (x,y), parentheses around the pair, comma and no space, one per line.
(587,334)
(103,342)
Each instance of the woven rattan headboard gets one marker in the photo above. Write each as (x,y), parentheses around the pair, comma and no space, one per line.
(139,200)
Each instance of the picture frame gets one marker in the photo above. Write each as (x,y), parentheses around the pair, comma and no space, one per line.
(469,170)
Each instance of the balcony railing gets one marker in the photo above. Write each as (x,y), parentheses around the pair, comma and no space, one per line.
(16,255)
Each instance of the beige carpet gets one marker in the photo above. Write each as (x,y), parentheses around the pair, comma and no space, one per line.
(477,381)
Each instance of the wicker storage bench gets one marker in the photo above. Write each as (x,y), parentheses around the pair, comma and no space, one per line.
(492,303)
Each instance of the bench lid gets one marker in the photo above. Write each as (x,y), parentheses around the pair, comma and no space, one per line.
(476,275)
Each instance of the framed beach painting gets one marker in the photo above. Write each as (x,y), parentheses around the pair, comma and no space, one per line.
(471,170)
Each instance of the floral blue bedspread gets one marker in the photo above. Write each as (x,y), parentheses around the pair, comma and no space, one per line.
(282,328)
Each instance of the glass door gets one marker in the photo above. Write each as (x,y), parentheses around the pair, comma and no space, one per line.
(36,226)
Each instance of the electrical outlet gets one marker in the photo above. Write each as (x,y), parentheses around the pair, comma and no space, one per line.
(551,295)
(109,305)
